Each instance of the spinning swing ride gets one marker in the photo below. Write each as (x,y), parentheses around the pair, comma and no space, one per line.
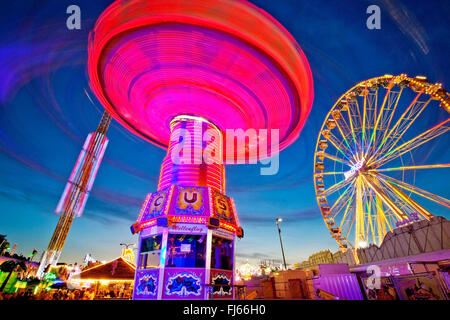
(169,66)
(374,141)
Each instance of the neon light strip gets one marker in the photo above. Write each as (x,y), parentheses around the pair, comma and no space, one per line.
(144,207)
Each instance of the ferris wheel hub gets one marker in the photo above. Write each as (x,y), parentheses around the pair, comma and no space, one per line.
(358,167)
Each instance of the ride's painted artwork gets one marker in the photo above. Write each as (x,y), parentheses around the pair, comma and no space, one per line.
(243,150)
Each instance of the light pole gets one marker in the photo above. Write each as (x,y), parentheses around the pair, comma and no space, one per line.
(128,253)
(127,245)
(278,220)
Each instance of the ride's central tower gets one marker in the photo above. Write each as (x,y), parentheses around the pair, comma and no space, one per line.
(189,226)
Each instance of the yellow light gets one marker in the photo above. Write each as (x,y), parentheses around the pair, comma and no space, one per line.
(247,270)
(128,254)
(105,281)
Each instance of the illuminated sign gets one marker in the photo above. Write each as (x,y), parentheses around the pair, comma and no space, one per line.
(223,234)
(157,204)
(222,207)
(128,254)
(50,276)
(412,217)
(185,247)
(154,206)
(188,228)
(354,168)
(395,270)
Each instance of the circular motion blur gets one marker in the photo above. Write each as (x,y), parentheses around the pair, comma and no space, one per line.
(232,64)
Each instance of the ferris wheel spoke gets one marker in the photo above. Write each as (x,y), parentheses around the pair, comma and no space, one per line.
(340,202)
(391,115)
(334,158)
(387,215)
(405,121)
(343,129)
(352,130)
(408,201)
(393,98)
(423,193)
(359,213)
(346,130)
(363,140)
(374,218)
(356,146)
(347,208)
(341,184)
(338,206)
(387,147)
(424,137)
(334,173)
(352,222)
(381,220)
(370,110)
(379,191)
(429,166)
(390,219)
(353,111)
(344,150)
(404,205)
(369,226)
(379,116)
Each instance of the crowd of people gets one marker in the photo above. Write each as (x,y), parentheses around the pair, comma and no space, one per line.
(67,294)
(60,294)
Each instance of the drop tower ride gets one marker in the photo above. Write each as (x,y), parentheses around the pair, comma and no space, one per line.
(76,192)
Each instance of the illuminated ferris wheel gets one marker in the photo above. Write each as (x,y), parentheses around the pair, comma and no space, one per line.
(379,139)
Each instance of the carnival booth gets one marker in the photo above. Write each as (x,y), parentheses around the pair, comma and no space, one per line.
(113,279)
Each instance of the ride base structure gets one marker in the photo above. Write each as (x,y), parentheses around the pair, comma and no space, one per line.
(188,228)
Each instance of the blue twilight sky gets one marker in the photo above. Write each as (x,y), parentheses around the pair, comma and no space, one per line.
(45,116)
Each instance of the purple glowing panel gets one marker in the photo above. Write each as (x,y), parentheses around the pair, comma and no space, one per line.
(344,286)
(146,284)
(222,278)
(156,206)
